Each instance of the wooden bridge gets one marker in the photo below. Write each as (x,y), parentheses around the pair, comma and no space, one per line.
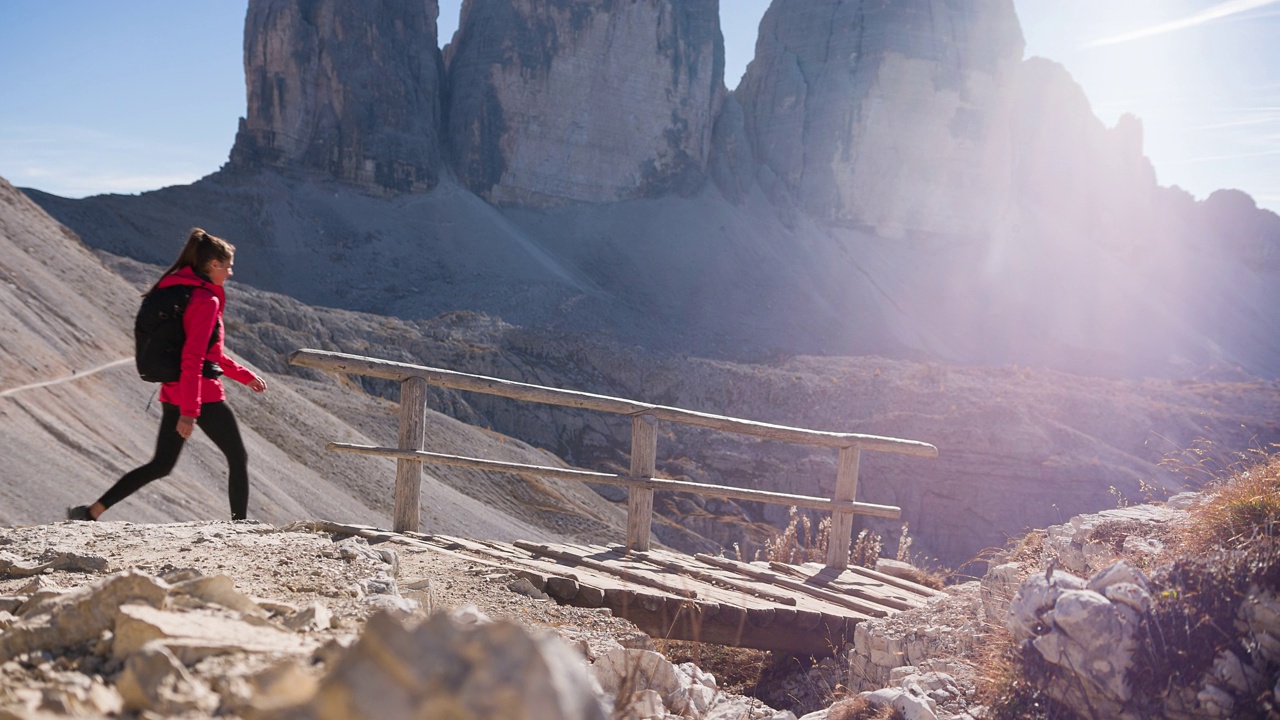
(801,609)
(807,608)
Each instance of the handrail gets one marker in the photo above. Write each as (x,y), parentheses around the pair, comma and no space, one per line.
(708,489)
(398,371)
(640,482)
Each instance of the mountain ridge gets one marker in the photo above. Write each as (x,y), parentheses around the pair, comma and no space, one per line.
(924,193)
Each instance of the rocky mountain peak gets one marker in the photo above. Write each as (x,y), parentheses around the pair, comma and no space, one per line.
(349,89)
(889,116)
(577,100)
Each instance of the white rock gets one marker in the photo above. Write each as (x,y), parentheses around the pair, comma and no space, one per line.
(1235,674)
(403,607)
(911,707)
(1117,573)
(698,675)
(1260,613)
(153,680)
(1130,595)
(522,586)
(313,617)
(194,635)
(442,669)
(897,674)
(640,705)
(1215,702)
(219,590)
(81,615)
(999,587)
(621,670)
(1091,639)
(469,615)
(693,701)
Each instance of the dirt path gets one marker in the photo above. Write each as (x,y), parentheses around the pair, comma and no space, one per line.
(75,375)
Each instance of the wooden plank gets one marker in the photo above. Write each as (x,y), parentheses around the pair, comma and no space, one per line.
(623,573)
(800,608)
(722,581)
(617,559)
(652,483)
(660,614)
(761,603)
(591,587)
(850,583)
(644,458)
(371,367)
(867,609)
(900,583)
(842,520)
(413,427)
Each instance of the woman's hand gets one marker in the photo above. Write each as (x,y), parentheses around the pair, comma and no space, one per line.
(257,384)
(185,426)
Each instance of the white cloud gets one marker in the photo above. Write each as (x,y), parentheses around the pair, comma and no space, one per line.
(1217,12)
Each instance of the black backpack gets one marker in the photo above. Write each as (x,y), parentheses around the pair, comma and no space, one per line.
(158,335)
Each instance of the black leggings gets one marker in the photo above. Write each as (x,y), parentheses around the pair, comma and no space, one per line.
(218,422)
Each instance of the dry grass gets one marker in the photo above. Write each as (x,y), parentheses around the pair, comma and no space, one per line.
(1242,512)
(1029,548)
(1229,545)
(800,541)
(866,549)
(737,670)
(860,709)
(1009,681)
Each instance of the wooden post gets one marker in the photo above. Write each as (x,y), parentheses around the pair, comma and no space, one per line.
(842,520)
(413,426)
(644,461)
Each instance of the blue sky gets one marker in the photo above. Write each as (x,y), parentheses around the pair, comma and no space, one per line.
(133,95)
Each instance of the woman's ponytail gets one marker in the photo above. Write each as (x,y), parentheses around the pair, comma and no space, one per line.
(197,252)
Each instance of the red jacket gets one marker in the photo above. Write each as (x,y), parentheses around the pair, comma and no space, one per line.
(204,313)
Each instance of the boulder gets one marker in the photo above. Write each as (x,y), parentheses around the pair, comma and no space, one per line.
(196,634)
(1086,636)
(215,589)
(80,615)
(313,617)
(1082,544)
(154,680)
(911,707)
(442,669)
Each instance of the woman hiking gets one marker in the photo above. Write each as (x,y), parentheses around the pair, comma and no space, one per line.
(197,397)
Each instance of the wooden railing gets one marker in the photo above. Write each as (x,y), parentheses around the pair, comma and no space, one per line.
(640,481)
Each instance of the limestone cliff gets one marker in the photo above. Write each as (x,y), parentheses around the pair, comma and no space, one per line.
(890,116)
(1073,175)
(587,100)
(349,89)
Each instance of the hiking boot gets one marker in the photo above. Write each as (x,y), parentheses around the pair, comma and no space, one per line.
(79,512)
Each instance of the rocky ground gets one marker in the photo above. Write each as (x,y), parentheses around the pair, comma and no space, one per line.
(253,620)
(246,620)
